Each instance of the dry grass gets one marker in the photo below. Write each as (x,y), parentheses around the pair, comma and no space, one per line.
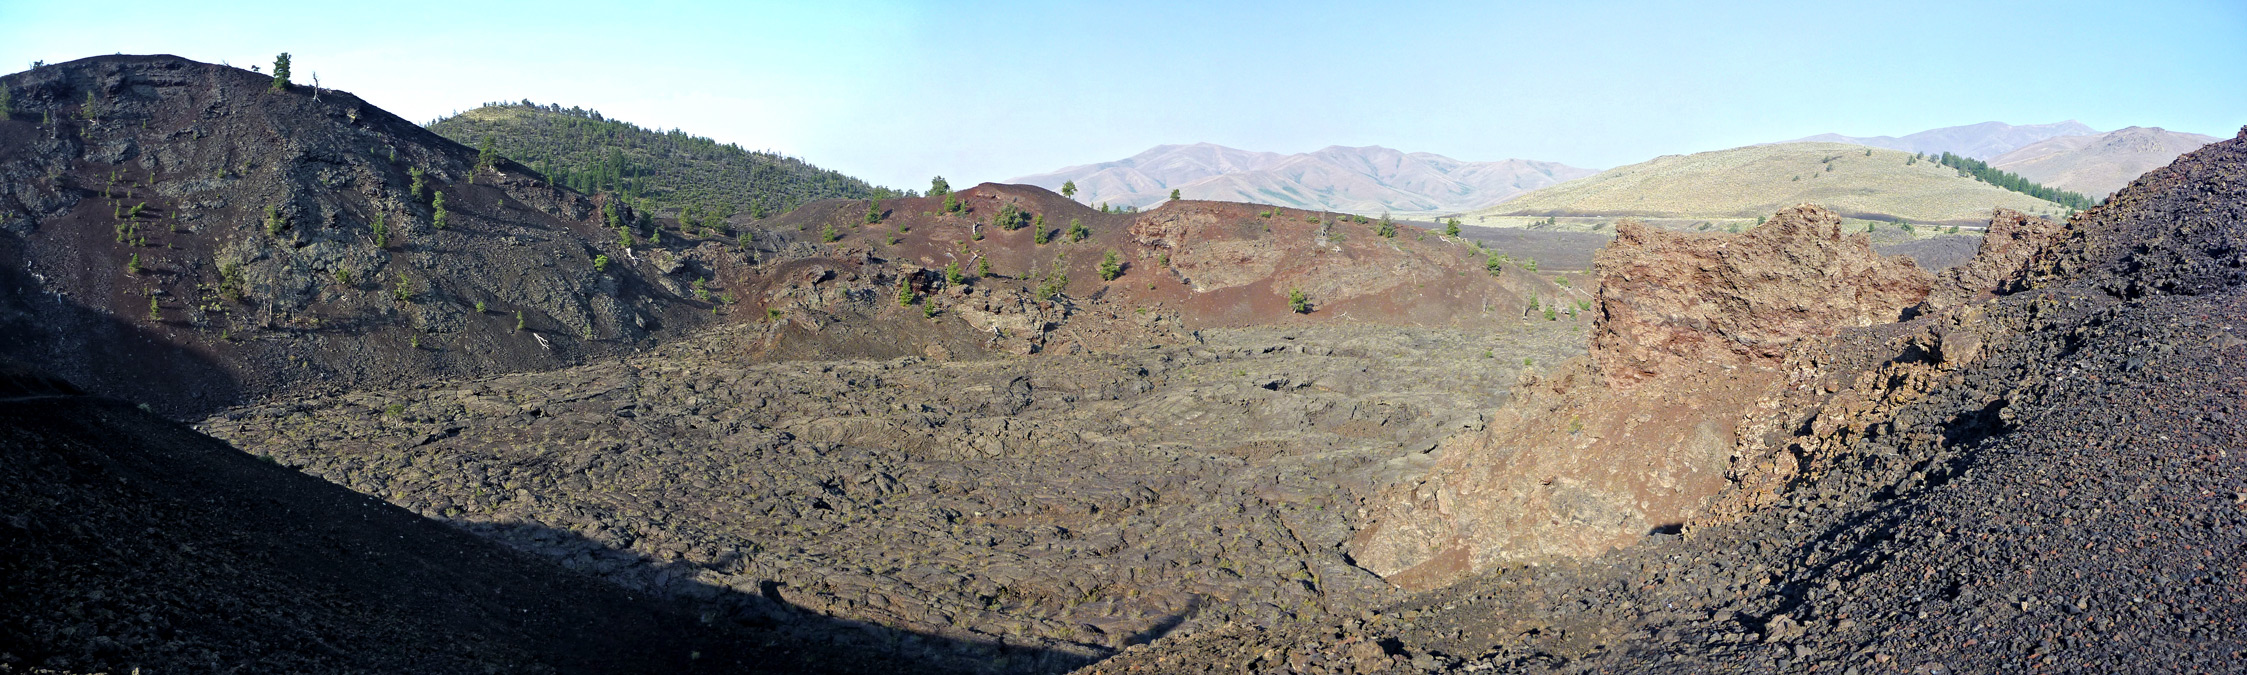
(1758,180)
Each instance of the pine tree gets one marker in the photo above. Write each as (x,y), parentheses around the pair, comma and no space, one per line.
(1174,194)
(486,157)
(1056,279)
(274,223)
(230,282)
(1009,218)
(1451,228)
(155,311)
(1111,266)
(1386,228)
(1069,189)
(419,182)
(1077,230)
(938,188)
(905,295)
(982,266)
(1298,302)
(281,72)
(438,219)
(381,232)
(952,274)
(132,264)
(873,211)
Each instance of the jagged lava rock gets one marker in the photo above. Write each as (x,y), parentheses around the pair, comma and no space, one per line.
(1688,337)
(2012,240)
(1671,298)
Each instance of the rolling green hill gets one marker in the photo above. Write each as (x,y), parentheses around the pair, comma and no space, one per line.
(665,170)
(1859,182)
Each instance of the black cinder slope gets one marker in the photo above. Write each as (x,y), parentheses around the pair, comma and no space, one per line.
(186,234)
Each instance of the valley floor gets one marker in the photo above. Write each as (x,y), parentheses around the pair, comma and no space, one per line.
(1023,515)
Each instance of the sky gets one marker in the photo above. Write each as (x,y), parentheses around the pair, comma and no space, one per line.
(896,92)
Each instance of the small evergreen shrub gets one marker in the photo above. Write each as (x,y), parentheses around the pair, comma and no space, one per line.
(1111,266)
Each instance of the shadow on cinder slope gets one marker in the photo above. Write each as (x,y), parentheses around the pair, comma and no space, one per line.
(133,542)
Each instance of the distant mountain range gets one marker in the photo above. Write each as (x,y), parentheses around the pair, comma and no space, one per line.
(1368,180)
(1371,180)
(1980,141)
(2096,166)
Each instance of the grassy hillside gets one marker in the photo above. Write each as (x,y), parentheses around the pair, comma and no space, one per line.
(665,170)
(1859,182)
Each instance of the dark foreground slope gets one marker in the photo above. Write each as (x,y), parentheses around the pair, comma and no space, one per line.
(2051,479)
(186,235)
(132,543)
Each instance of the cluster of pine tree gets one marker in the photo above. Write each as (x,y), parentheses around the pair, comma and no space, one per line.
(661,170)
(1982,171)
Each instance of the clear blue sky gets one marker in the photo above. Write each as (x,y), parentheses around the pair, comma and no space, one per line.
(897,91)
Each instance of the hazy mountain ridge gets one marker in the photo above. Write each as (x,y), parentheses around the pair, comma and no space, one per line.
(2099,165)
(1980,141)
(1369,179)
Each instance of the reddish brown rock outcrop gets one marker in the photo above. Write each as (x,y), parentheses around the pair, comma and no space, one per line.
(2002,263)
(1691,336)
(1669,298)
